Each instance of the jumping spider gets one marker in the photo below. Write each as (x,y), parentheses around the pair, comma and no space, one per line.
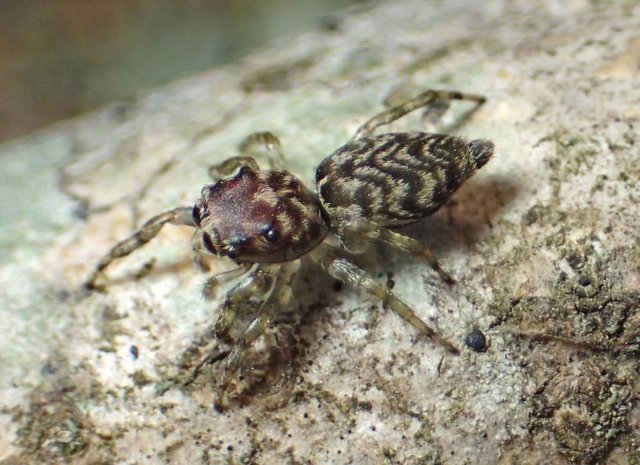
(267,220)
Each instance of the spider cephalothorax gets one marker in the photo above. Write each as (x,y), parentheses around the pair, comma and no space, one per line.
(260,216)
(266,220)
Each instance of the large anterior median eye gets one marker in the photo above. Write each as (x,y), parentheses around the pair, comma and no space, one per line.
(208,243)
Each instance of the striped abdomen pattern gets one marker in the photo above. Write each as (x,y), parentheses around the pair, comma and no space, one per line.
(397,178)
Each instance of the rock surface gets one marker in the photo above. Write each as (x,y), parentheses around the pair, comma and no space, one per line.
(543,242)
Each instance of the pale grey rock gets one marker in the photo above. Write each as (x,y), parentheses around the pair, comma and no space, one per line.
(543,242)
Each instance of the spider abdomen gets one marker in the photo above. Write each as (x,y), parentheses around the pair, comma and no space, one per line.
(398,178)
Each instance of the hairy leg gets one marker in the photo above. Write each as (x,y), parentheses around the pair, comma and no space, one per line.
(212,282)
(149,230)
(357,235)
(252,144)
(258,284)
(278,300)
(230,166)
(416,248)
(342,269)
(249,148)
(199,252)
(427,98)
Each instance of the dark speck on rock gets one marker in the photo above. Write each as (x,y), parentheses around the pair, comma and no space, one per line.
(476,341)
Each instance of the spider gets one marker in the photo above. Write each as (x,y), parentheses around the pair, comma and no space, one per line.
(267,220)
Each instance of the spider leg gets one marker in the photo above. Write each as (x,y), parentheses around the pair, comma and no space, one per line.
(268,140)
(212,282)
(258,284)
(356,235)
(149,230)
(198,253)
(249,147)
(230,166)
(426,98)
(279,297)
(435,111)
(416,248)
(342,269)
(199,262)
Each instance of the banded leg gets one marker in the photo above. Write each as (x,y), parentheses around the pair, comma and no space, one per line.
(356,236)
(199,252)
(435,111)
(248,147)
(258,284)
(278,300)
(230,166)
(428,97)
(347,272)
(416,248)
(149,230)
(212,282)
(268,140)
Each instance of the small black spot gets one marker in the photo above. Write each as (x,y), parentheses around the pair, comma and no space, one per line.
(208,243)
(476,340)
(575,261)
(122,110)
(330,22)
(366,406)
(81,210)
(133,350)
(196,215)
(531,216)
(390,282)
(48,369)
(585,281)
(337,286)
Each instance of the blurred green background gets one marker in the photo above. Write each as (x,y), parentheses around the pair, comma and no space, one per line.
(60,58)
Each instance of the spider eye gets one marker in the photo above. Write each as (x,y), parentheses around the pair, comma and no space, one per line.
(233,251)
(196,215)
(236,244)
(208,243)
(270,233)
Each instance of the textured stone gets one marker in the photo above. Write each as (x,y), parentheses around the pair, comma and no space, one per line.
(543,242)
